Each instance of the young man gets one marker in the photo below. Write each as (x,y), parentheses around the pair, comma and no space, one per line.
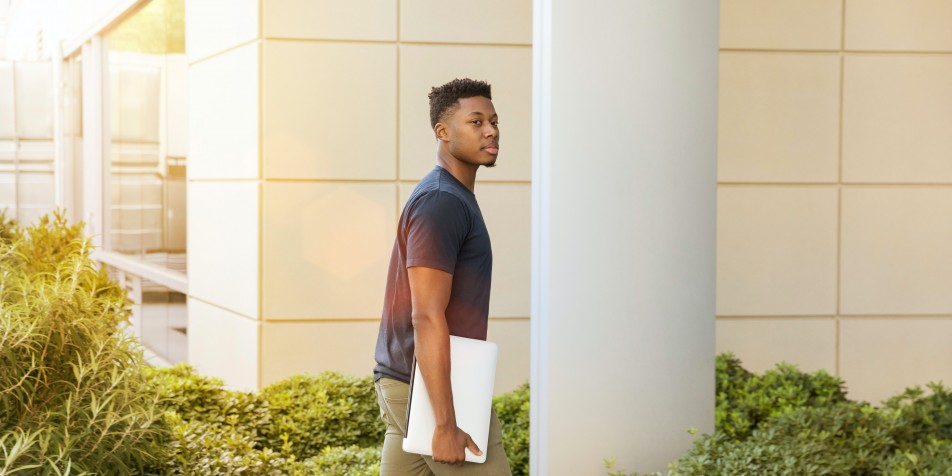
(438,285)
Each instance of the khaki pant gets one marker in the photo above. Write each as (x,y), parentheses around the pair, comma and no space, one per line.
(392,396)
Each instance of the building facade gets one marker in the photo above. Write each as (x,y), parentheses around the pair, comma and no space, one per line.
(241,166)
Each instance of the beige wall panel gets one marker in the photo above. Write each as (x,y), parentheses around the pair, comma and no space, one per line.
(223,130)
(492,21)
(897,119)
(881,357)
(512,366)
(896,257)
(763,343)
(326,249)
(507,209)
(891,25)
(222,344)
(330,110)
(223,245)
(216,25)
(508,69)
(778,117)
(292,348)
(331,19)
(783,24)
(776,251)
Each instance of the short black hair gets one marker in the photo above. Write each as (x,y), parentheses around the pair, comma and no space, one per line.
(445,99)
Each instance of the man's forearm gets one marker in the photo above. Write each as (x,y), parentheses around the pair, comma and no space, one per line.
(432,349)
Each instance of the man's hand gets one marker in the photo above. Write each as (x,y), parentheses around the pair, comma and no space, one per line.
(449,443)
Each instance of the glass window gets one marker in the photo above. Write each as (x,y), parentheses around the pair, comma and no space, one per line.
(145,153)
(147,135)
(26,140)
(159,316)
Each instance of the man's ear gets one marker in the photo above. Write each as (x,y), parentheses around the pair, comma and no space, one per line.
(441,131)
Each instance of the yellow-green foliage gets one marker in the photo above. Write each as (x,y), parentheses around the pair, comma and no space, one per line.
(72,395)
(513,411)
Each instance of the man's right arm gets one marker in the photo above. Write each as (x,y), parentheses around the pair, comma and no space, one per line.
(430,294)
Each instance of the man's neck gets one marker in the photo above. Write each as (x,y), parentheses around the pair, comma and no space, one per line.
(465,173)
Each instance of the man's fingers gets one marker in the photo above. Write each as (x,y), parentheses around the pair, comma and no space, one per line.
(472,446)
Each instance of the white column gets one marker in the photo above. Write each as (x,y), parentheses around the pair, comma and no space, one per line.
(624,190)
(94,171)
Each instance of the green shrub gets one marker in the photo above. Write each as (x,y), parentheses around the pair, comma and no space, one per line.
(72,397)
(797,424)
(302,425)
(329,409)
(199,448)
(9,231)
(76,396)
(211,430)
(930,459)
(745,400)
(843,439)
(191,397)
(923,417)
(339,461)
(513,411)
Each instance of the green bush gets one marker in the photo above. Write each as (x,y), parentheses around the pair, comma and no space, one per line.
(72,397)
(211,430)
(923,417)
(329,409)
(324,424)
(790,423)
(187,396)
(930,459)
(339,461)
(513,411)
(745,400)
(75,396)
(843,439)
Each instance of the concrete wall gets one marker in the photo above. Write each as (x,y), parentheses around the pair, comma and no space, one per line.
(835,189)
(300,166)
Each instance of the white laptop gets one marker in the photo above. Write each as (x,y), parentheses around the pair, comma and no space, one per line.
(472,375)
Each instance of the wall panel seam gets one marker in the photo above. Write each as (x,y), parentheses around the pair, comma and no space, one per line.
(839,191)
(260,257)
(397,41)
(222,308)
(837,51)
(845,185)
(224,51)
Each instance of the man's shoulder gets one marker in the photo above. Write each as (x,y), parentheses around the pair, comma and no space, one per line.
(436,198)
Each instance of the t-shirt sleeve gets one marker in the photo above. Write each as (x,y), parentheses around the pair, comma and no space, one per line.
(436,224)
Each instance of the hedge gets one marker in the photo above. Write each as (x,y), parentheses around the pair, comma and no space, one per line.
(77,398)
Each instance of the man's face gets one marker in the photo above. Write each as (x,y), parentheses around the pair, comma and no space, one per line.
(472,132)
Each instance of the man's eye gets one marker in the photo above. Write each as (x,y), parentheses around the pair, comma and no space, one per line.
(477,122)
(496,123)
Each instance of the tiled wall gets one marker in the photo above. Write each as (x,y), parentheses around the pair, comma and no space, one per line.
(307,156)
(835,189)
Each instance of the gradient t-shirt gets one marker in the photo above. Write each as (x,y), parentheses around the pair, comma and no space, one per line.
(441,227)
